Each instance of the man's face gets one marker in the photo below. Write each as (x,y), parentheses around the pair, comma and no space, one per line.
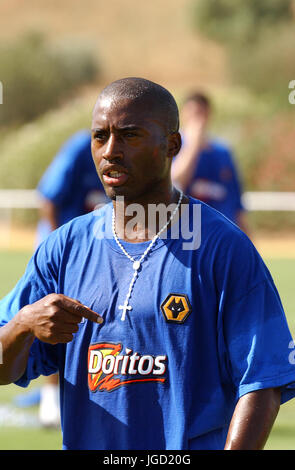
(129,148)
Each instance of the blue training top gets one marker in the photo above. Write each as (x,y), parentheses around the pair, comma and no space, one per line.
(215,180)
(206,327)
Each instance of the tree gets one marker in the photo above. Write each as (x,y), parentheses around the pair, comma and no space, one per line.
(258,36)
(239,20)
(36,76)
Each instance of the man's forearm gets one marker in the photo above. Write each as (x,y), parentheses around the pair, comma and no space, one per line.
(15,342)
(52,319)
(253,418)
(183,166)
(48,211)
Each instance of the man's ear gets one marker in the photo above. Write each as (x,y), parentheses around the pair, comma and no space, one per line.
(174,144)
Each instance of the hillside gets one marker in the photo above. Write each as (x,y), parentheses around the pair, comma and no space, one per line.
(130,38)
(154,40)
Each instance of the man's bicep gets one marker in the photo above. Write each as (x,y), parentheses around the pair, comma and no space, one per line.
(252,420)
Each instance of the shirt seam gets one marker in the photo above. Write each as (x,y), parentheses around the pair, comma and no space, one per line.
(266,379)
(264,281)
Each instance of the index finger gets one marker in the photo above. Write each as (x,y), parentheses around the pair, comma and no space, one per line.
(77,308)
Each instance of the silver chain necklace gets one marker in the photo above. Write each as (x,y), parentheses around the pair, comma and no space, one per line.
(137,263)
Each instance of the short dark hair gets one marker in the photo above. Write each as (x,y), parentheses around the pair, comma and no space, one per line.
(200,98)
(158,97)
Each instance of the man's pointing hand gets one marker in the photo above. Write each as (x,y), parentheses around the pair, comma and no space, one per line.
(55,318)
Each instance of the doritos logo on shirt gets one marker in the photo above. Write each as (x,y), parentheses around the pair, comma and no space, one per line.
(109,368)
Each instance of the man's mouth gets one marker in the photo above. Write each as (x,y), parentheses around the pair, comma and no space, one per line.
(114,177)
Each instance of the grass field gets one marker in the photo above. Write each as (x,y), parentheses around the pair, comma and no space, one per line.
(19,429)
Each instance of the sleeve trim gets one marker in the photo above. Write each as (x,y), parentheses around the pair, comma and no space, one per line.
(284,381)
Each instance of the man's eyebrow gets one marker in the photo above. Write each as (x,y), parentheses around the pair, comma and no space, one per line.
(97,129)
(130,127)
(127,127)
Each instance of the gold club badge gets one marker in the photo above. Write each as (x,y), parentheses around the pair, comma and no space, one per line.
(176,308)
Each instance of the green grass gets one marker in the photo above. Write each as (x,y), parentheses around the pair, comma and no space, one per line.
(26,438)
(12,265)
(282,436)
(283,433)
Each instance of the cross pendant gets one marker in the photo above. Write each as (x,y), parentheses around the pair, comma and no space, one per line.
(124,307)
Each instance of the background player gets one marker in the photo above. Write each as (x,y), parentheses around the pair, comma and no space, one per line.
(205,167)
(70,186)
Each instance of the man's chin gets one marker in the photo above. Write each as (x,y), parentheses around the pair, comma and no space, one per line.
(130,193)
(117,191)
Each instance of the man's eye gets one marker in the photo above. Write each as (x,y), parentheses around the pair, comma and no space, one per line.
(99,135)
(130,134)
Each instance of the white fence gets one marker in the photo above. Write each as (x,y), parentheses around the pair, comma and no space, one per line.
(19,199)
(253,201)
(269,201)
(11,199)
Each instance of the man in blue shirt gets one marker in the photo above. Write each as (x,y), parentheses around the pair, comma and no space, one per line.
(205,167)
(159,344)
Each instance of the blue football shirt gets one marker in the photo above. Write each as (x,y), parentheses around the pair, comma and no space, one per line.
(215,180)
(206,327)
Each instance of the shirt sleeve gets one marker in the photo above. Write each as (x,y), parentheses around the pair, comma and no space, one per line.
(236,185)
(39,280)
(255,331)
(55,184)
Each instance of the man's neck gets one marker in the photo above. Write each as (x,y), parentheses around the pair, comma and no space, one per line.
(140,220)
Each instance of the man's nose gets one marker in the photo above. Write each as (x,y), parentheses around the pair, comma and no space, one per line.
(112,149)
